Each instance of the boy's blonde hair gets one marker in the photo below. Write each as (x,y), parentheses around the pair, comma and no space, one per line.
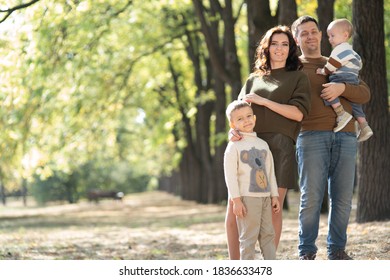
(235,105)
(344,24)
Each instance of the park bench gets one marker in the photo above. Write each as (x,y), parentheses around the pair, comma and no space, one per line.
(96,195)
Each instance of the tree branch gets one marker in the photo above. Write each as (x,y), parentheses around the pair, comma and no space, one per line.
(9,11)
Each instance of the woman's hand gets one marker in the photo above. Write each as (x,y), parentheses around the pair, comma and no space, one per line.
(288,111)
(254,98)
(234,135)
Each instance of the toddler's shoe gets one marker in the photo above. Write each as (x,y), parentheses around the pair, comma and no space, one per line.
(365,134)
(342,121)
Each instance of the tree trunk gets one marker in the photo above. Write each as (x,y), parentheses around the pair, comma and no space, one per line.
(230,61)
(219,191)
(24,191)
(374,155)
(325,12)
(170,183)
(204,151)
(190,174)
(287,12)
(191,166)
(2,193)
(260,20)
(224,70)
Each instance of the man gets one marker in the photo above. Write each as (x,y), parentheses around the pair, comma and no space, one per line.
(324,157)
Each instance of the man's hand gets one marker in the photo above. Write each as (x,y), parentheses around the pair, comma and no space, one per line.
(332,90)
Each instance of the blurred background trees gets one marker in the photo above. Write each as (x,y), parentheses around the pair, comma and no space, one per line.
(131,95)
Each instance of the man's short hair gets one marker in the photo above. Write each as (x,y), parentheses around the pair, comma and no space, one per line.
(302,20)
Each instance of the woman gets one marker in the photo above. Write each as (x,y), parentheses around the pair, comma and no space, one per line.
(280,98)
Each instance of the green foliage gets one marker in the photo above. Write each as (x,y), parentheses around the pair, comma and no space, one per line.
(81,82)
(119,177)
(306,7)
(342,9)
(93,175)
(90,82)
(50,189)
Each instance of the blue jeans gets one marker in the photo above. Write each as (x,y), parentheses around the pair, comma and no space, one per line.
(325,158)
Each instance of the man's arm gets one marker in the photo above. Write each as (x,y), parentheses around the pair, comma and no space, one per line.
(359,94)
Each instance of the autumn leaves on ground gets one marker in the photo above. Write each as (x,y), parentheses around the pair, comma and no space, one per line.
(153,226)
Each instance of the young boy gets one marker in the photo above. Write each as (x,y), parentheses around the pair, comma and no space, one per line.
(251,182)
(344,65)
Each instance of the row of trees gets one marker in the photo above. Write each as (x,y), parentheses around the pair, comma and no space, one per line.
(147,83)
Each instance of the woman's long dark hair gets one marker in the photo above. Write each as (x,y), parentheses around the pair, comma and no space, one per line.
(263,61)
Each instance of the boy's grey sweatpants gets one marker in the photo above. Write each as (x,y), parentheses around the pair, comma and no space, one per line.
(257,226)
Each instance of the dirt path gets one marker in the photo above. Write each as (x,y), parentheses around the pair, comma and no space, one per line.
(153,225)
